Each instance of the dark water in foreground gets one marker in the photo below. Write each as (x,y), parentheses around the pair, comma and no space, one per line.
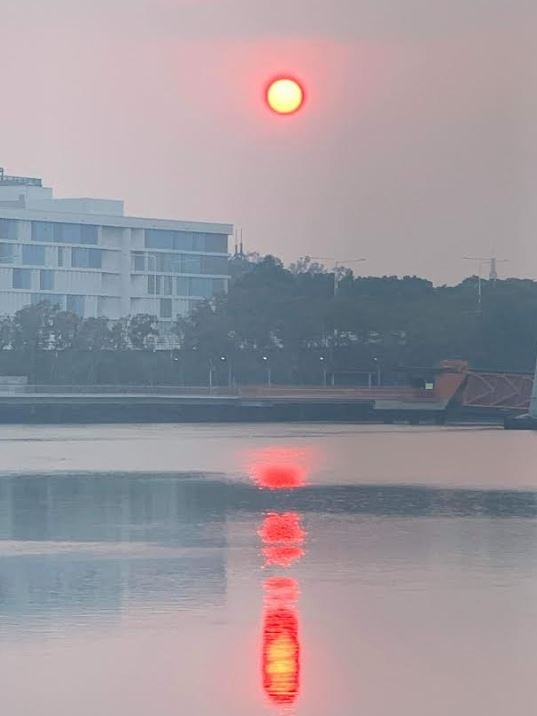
(283,583)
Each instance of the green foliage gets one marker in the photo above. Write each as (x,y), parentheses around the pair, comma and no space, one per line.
(64,329)
(6,332)
(306,265)
(33,327)
(291,323)
(94,335)
(43,327)
(391,320)
(143,331)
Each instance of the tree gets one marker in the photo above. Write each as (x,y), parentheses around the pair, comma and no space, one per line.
(94,335)
(206,330)
(305,264)
(64,329)
(6,332)
(143,331)
(33,327)
(239,264)
(258,302)
(118,336)
(289,320)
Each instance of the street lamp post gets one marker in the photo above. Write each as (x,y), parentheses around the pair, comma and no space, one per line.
(377,363)
(175,359)
(211,368)
(229,376)
(323,365)
(269,369)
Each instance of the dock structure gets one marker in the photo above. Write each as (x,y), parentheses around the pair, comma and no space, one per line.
(457,394)
(528,420)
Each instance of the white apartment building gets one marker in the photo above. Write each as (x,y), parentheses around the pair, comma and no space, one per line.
(86,256)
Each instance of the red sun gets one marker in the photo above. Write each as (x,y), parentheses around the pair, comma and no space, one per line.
(285,95)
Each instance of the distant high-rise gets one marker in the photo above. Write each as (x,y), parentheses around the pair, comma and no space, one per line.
(86,256)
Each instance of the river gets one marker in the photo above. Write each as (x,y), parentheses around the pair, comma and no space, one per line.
(297,570)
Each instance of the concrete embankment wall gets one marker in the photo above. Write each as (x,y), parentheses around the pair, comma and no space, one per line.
(157,411)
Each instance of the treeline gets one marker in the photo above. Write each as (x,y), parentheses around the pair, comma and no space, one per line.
(367,321)
(300,324)
(44,327)
(52,346)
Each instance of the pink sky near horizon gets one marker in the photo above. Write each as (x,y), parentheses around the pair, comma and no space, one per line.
(417,146)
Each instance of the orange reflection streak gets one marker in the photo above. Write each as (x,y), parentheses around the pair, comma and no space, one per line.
(283,534)
(283,538)
(279,468)
(282,555)
(281,646)
(282,527)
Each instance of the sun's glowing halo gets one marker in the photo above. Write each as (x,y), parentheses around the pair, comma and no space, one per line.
(285,95)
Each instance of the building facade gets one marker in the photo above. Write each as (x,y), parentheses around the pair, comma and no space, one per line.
(86,256)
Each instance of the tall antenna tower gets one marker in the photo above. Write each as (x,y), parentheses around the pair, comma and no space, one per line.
(492,262)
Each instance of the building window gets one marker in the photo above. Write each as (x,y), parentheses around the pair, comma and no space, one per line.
(42,231)
(164,263)
(46,280)
(75,304)
(182,286)
(166,240)
(67,234)
(160,285)
(182,263)
(182,307)
(165,307)
(139,262)
(219,286)
(167,285)
(22,278)
(55,299)
(86,258)
(60,255)
(191,264)
(33,255)
(155,239)
(95,258)
(185,241)
(7,253)
(75,234)
(64,233)
(214,264)
(89,234)
(170,263)
(9,229)
(202,287)
(216,243)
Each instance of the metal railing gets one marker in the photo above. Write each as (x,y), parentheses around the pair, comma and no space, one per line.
(282,392)
(172,390)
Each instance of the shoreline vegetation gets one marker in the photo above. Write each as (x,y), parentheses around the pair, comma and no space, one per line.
(298,325)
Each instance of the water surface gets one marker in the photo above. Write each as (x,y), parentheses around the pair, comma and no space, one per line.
(299,570)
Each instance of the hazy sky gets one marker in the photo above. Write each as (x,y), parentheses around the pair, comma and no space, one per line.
(418,144)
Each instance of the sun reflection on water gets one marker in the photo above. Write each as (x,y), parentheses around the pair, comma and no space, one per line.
(283,538)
